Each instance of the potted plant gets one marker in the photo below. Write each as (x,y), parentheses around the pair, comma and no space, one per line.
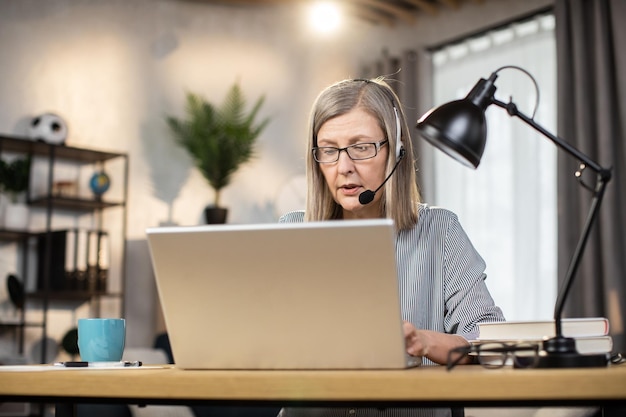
(219,139)
(14,180)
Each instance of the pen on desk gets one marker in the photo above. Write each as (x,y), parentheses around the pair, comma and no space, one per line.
(82,364)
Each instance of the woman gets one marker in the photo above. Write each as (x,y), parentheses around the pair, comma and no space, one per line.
(357,137)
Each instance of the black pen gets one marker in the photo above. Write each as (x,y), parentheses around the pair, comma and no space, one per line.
(82,364)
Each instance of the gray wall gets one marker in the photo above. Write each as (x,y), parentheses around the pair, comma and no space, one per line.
(113,70)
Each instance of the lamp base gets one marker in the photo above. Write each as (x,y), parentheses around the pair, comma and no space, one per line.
(560,352)
(573,360)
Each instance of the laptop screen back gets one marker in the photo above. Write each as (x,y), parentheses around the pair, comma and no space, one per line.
(318,295)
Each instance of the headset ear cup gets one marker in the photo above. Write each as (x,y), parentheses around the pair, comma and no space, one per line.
(399,144)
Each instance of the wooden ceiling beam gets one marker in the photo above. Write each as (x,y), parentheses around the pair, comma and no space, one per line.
(453,4)
(369,15)
(241,2)
(384,12)
(423,5)
(386,7)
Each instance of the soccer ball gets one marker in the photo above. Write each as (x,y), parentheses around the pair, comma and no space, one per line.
(49,128)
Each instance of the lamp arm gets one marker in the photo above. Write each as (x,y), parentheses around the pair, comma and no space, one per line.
(602,179)
(511,108)
(598,193)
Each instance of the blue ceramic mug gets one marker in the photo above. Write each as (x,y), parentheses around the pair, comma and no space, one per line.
(101,340)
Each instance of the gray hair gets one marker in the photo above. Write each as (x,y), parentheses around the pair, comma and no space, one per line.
(375,96)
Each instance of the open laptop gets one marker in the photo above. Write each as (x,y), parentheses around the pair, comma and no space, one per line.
(317,295)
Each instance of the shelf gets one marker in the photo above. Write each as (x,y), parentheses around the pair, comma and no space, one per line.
(10,235)
(70,295)
(26,145)
(55,203)
(71,203)
(17,323)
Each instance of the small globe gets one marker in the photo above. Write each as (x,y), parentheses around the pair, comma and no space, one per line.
(99,183)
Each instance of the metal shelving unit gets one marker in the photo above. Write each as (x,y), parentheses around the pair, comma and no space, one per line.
(51,205)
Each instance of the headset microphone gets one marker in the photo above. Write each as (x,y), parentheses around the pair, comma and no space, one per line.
(367,196)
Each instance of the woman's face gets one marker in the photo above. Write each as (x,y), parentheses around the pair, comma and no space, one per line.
(347,179)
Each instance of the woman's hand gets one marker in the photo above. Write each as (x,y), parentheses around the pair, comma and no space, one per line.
(432,345)
(416,341)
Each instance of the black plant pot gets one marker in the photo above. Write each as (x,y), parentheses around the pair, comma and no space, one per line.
(215,215)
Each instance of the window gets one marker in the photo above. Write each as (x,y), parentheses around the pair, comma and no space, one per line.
(508,205)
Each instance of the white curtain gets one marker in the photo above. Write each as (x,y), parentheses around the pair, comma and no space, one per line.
(507,205)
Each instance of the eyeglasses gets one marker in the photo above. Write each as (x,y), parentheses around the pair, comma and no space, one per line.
(495,355)
(356,152)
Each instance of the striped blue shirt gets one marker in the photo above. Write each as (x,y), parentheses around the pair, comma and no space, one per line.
(442,288)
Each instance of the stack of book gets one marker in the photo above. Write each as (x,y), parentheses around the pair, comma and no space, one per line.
(591,334)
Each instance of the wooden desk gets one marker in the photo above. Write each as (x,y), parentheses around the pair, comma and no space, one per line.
(428,386)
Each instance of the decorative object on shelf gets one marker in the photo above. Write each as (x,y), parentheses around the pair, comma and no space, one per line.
(16,291)
(14,177)
(69,343)
(219,139)
(14,181)
(49,128)
(99,183)
(64,188)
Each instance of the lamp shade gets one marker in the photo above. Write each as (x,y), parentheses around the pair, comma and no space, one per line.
(458,128)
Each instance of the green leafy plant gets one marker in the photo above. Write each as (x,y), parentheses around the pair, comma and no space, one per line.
(219,138)
(14,177)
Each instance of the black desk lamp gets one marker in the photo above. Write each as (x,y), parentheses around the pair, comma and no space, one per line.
(459,129)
